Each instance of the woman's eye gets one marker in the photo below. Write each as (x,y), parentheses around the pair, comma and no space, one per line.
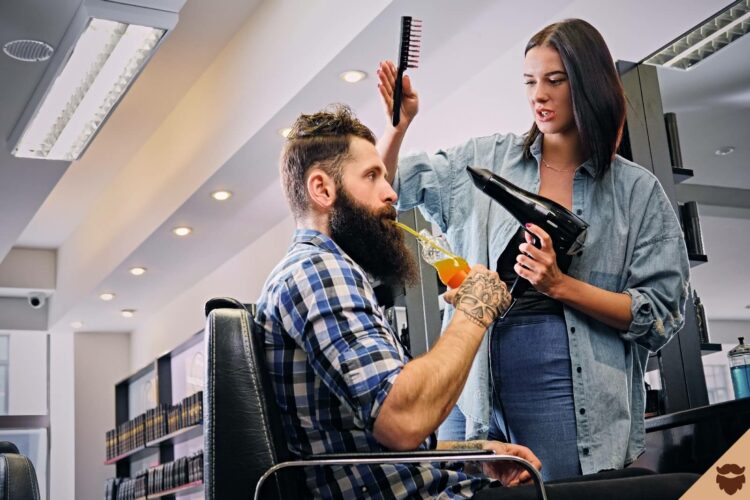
(529,82)
(556,82)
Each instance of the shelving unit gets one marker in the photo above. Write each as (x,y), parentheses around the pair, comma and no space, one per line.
(681,174)
(165,381)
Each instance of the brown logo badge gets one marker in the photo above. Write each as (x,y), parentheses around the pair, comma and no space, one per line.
(726,477)
(730,478)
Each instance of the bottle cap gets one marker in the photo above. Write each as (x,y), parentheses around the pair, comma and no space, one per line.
(740,349)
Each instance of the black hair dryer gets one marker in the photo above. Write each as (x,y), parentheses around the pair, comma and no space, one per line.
(567,230)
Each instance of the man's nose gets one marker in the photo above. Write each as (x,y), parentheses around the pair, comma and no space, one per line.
(389,195)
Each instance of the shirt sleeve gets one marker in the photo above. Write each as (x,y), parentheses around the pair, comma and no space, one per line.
(658,275)
(427,180)
(332,315)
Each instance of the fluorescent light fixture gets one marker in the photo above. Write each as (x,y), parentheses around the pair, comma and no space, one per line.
(107,296)
(138,271)
(127,313)
(726,150)
(709,37)
(353,76)
(104,49)
(76,324)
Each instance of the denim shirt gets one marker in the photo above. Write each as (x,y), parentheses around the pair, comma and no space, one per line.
(634,245)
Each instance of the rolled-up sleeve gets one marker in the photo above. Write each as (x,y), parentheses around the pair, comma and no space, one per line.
(428,180)
(658,276)
(347,343)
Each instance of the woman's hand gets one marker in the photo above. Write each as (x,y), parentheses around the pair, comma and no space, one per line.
(539,265)
(409,100)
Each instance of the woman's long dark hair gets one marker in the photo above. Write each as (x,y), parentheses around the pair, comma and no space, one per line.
(595,88)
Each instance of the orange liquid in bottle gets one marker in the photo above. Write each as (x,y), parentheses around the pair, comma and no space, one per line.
(452,272)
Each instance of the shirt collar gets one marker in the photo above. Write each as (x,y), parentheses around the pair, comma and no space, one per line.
(536,152)
(316,238)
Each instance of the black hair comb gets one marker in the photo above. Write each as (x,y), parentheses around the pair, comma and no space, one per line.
(408,57)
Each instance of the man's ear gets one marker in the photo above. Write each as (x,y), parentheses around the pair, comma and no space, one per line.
(321,189)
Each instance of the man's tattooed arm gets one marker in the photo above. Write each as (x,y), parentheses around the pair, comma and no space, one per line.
(482,297)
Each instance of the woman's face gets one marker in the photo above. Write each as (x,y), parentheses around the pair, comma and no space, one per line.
(548,90)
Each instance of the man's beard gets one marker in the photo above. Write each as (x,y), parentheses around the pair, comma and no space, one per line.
(372,240)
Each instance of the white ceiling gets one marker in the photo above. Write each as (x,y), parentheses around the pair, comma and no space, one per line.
(205,114)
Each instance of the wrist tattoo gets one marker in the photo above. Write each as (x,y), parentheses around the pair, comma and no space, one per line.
(481,298)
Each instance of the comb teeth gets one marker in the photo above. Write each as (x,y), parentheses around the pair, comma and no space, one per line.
(411,37)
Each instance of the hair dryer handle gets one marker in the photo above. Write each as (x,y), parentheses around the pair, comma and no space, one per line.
(520,285)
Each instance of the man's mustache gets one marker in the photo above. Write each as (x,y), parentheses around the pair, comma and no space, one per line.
(730,469)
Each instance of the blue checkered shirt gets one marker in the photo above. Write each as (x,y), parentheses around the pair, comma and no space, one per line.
(333,358)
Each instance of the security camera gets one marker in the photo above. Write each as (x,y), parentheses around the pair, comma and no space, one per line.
(37,300)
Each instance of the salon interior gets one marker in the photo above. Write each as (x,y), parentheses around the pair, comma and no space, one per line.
(165,193)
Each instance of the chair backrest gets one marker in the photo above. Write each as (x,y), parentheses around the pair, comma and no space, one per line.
(243,434)
(17,475)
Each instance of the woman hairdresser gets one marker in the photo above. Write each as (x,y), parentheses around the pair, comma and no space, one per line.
(566,366)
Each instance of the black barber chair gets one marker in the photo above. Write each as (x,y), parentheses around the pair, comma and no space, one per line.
(17,475)
(244,442)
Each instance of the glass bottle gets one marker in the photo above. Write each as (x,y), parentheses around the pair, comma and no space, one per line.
(739,366)
(451,269)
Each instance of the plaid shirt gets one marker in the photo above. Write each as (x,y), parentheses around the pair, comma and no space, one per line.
(333,358)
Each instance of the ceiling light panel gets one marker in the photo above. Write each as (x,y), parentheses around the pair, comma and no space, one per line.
(104,49)
(706,39)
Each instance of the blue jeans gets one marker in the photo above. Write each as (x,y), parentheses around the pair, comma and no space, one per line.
(532,390)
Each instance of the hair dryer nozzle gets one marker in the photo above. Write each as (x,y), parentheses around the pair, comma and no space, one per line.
(480,176)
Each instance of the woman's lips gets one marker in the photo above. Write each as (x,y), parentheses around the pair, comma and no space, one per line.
(545,115)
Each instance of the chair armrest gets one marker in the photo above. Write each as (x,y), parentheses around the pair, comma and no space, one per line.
(422,456)
(394,455)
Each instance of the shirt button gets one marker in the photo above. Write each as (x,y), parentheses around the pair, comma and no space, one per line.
(582,411)
(578,369)
(585,452)
(364,489)
(579,211)
(572,329)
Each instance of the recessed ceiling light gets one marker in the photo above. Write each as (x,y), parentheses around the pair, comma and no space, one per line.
(284,132)
(77,324)
(107,296)
(353,76)
(137,271)
(127,313)
(726,150)
(182,230)
(221,195)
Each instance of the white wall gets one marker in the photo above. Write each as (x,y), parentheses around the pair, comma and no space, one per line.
(100,360)
(241,277)
(27,374)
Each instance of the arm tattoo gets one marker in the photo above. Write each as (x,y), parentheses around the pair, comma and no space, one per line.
(482,297)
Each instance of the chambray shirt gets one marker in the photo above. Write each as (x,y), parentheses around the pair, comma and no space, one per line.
(333,358)
(634,245)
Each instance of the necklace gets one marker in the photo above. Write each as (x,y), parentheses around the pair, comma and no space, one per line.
(565,170)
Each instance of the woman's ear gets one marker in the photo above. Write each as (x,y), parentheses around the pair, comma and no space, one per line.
(321,189)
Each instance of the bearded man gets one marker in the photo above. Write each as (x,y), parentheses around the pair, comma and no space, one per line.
(342,379)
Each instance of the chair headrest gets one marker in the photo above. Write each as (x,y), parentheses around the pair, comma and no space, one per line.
(8,447)
(223,303)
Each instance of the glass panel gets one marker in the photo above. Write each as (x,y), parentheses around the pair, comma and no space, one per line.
(4,341)
(3,389)
(33,444)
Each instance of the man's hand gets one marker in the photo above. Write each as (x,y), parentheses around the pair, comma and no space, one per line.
(409,99)
(481,297)
(509,473)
